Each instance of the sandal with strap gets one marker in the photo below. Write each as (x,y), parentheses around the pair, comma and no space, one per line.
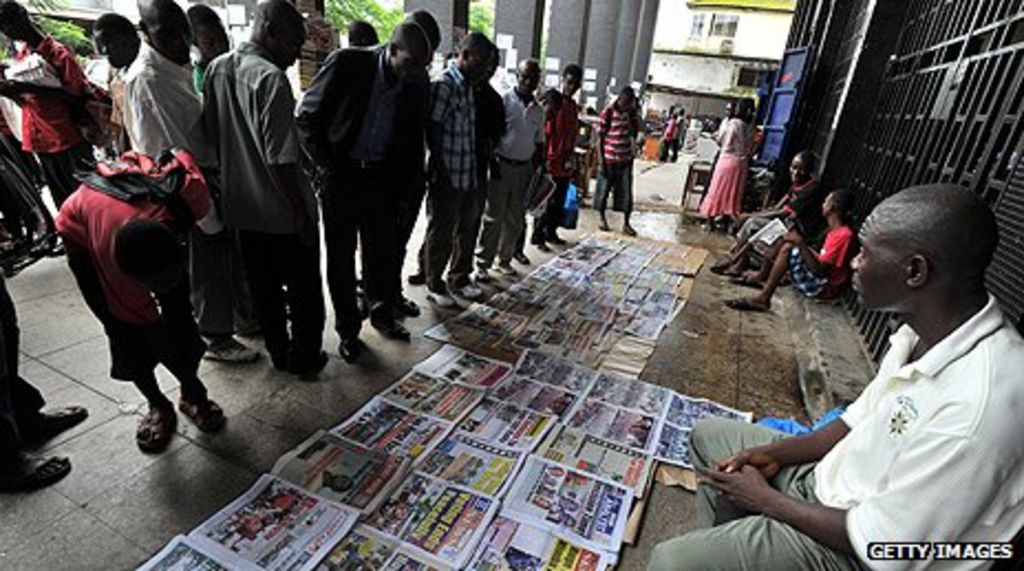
(742,304)
(207,416)
(35,473)
(156,429)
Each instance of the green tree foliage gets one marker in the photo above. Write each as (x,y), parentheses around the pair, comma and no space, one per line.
(341,13)
(67,33)
(481,18)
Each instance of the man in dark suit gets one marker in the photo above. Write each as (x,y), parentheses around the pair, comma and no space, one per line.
(360,124)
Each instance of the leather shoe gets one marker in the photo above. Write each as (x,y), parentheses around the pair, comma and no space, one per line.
(350,349)
(391,329)
(407,308)
(307,367)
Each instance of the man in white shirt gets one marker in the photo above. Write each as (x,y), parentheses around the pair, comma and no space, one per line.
(162,111)
(519,152)
(930,452)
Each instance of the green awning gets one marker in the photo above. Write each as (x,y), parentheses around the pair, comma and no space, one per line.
(771,5)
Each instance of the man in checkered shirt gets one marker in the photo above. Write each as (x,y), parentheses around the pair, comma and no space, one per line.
(454,201)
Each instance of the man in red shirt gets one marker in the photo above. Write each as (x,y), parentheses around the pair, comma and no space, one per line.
(561,133)
(618,130)
(47,126)
(129,261)
(817,275)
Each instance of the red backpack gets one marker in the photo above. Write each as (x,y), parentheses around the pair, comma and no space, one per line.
(134,176)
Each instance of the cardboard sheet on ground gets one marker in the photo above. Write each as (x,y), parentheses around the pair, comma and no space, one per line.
(628,357)
(587,509)
(435,519)
(342,471)
(275,526)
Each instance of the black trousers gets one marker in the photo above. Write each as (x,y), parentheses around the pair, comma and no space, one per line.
(546,227)
(59,170)
(361,209)
(408,212)
(136,349)
(284,281)
(20,402)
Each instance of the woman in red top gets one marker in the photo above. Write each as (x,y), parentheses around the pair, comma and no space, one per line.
(561,133)
(817,275)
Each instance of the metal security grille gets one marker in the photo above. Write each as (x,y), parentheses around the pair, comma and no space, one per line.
(950,110)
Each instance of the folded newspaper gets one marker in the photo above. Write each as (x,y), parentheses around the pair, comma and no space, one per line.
(381,425)
(511,544)
(342,471)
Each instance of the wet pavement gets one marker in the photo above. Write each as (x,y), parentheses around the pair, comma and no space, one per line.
(119,505)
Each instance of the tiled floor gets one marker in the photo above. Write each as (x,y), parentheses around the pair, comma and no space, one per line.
(120,505)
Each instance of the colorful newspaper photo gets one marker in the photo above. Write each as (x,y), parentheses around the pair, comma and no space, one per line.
(434,396)
(364,549)
(555,371)
(342,471)
(436,518)
(458,366)
(619,425)
(535,396)
(595,455)
(510,544)
(630,393)
(474,464)
(381,425)
(506,425)
(683,412)
(184,554)
(583,507)
(277,526)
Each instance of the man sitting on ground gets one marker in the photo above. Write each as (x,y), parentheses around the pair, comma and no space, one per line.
(821,276)
(802,205)
(931,451)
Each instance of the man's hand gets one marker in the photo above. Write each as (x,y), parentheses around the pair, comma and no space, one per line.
(765,464)
(748,488)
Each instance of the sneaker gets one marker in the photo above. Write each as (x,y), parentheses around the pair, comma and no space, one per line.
(483,275)
(470,292)
(441,300)
(228,350)
(507,270)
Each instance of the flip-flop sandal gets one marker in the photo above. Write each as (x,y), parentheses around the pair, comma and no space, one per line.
(156,429)
(741,304)
(208,417)
(742,282)
(54,422)
(37,474)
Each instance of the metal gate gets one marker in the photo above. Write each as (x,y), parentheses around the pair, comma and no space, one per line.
(951,109)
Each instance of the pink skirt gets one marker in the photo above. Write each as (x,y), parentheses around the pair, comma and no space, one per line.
(725,196)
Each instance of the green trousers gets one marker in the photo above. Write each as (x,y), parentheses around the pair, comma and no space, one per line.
(730,539)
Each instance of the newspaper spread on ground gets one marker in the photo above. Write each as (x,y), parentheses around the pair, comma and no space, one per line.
(434,396)
(506,424)
(276,525)
(435,518)
(620,425)
(535,395)
(364,549)
(630,393)
(555,371)
(342,471)
(683,412)
(481,329)
(381,425)
(586,508)
(594,455)
(474,464)
(184,554)
(510,544)
(458,366)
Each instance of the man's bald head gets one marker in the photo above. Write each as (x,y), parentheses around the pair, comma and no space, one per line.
(425,20)
(280,29)
(167,29)
(944,224)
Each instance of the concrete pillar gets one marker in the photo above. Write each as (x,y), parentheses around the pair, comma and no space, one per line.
(566,30)
(645,40)
(625,42)
(450,15)
(519,18)
(602,37)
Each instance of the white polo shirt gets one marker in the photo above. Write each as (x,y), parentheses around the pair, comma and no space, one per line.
(524,127)
(936,447)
